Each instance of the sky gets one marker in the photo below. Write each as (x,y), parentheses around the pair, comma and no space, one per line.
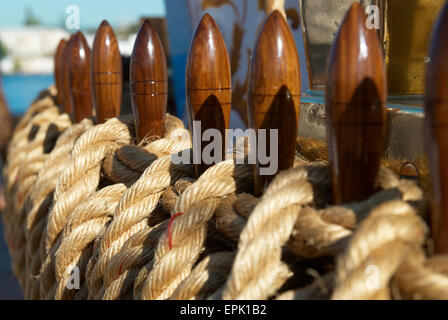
(92,12)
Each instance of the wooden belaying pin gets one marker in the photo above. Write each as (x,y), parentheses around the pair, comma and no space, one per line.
(107,78)
(274,97)
(355,108)
(67,101)
(149,83)
(58,71)
(436,130)
(208,85)
(80,78)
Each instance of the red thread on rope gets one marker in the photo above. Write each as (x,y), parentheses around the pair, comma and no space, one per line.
(169,227)
(124,259)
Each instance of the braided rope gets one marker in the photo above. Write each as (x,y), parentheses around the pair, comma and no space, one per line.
(77,182)
(178,250)
(130,216)
(128,163)
(381,243)
(418,278)
(274,217)
(82,227)
(41,198)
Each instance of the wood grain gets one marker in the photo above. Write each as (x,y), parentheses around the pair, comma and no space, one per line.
(80,78)
(355,108)
(58,71)
(149,83)
(208,82)
(107,75)
(274,92)
(66,92)
(436,129)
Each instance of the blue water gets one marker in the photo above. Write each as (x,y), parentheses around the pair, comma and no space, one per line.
(20,90)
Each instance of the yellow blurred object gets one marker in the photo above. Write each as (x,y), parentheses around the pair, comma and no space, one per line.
(408,26)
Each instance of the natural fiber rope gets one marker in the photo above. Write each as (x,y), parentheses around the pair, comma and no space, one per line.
(177,251)
(381,243)
(273,217)
(155,257)
(140,200)
(172,127)
(41,198)
(82,227)
(23,166)
(139,249)
(421,279)
(132,212)
(37,154)
(78,181)
(128,163)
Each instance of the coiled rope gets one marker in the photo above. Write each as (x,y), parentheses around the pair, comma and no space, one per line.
(133,225)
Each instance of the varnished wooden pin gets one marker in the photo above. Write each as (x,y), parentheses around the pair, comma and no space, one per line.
(149,83)
(274,93)
(436,130)
(66,93)
(208,83)
(80,77)
(355,108)
(106,73)
(409,171)
(58,71)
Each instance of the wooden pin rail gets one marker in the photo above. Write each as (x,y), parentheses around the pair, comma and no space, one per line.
(107,76)
(355,108)
(67,102)
(58,72)
(81,93)
(436,129)
(208,83)
(274,93)
(149,83)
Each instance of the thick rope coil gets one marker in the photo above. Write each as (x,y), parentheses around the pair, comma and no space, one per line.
(43,129)
(232,213)
(26,178)
(379,246)
(77,182)
(23,134)
(128,163)
(207,277)
(41,198)
(179,248)
(82,227)
(121,271)
(419,278)
(132,212)
(123,268)
(258,272)
(17,152)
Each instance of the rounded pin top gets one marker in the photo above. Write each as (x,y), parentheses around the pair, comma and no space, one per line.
(208,65)
(80,77)
(149,82)
(275,57)
(359,58)
(107,73)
